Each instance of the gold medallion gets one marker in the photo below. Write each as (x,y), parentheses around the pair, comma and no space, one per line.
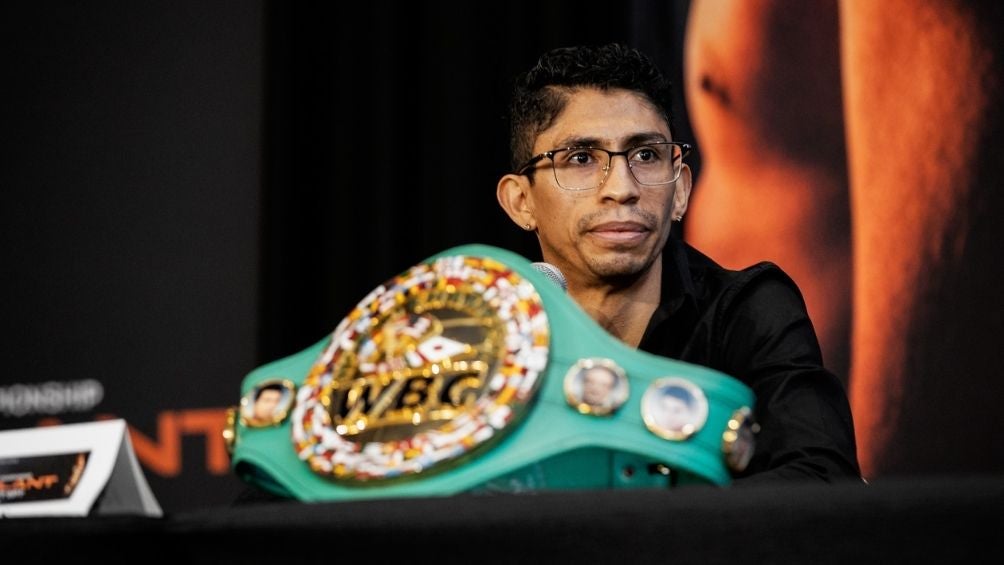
(596,386)
(738,441)
(230,430)
(674,408)
(267,403)
(429,367)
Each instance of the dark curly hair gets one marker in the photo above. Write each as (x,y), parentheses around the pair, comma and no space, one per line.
(541,93)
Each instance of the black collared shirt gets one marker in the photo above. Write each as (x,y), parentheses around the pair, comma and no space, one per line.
(753,325)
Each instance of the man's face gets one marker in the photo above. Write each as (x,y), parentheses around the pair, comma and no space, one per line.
(618,229)
(597,385)
(264,407)
(674,413)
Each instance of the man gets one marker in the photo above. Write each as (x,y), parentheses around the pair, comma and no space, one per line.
(674,410)
(598,385)
(599,178)
(266,401)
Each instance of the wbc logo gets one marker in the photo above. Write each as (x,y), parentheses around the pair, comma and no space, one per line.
(409,375)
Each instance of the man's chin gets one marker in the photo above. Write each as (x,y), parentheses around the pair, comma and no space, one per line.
(620,266)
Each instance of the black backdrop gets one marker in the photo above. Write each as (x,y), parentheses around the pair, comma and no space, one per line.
(130,176)
(191,189)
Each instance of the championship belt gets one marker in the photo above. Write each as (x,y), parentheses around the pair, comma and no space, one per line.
(473,372)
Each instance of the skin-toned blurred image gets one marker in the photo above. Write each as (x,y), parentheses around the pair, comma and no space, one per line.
(762,81)
(922,85)
(851,143)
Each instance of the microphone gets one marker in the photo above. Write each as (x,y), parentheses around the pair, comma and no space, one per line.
(553,273)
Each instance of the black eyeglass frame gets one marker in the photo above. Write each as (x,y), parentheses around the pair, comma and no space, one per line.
(685,149)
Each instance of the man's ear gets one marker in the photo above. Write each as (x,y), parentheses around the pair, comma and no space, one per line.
(513,192)
(681,195)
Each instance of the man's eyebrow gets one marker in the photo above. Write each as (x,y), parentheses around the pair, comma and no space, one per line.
(632,140)
(578,141)
(645,137)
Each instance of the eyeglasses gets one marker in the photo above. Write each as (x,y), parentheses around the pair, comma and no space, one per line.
(585,168)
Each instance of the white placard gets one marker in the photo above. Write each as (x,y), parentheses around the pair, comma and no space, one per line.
(72,470)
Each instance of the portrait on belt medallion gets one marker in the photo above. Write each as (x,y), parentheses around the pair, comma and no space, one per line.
(267,403)
(674,408)
(596,386)
(738,440)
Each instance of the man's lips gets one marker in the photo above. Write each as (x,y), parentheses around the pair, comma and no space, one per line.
(619,232)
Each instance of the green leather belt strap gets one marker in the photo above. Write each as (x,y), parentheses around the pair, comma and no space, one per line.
(469,372)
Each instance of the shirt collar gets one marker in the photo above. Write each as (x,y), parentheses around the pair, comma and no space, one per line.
(678,294)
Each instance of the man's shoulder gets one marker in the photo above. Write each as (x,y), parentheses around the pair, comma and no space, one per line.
(712,280)
(740,310)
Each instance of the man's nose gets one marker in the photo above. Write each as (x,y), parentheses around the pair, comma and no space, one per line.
(619,184)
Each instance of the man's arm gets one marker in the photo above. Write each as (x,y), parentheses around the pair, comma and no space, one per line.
(768,342)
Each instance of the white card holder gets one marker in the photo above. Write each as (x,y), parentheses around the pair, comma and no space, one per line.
(72,470)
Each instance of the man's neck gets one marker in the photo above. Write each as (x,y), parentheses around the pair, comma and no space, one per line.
(623,310)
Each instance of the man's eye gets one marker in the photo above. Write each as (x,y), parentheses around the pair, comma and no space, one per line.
(645,154)
(578,157)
